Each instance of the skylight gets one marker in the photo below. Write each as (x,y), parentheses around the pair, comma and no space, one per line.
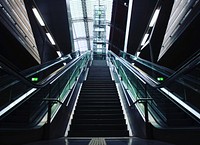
(82,13)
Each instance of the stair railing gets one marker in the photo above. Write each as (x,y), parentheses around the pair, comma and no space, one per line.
(145,101)
(51,102)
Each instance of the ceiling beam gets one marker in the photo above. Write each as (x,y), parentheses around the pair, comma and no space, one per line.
(85,19)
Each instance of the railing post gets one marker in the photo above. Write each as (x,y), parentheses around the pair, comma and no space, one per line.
(51,101)
(48,120)
(147,127)
(146,106)
(145,103)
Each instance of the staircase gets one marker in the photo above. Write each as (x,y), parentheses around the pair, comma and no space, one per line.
(98,112)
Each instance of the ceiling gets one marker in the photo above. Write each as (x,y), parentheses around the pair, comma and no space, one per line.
(66,23)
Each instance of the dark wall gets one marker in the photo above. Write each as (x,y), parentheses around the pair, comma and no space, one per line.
(152,51)
(184,47)
(118,26)
(140,17)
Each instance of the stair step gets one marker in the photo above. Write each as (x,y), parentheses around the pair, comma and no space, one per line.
(99,121)
(98,127)
(98,116)
(99,111)
(98,107)
(98,103)
(99,82)
(99,94)
(98,89)
(98,99)
(98,133)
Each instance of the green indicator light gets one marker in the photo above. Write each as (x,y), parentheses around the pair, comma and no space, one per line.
(160,79)
(34,79)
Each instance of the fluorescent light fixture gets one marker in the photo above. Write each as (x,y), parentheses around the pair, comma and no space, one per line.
(128,25)
(17,101)
(144,39)
(37,15)
(50,38)
(154,18)
(187,107)
(137,54)
(59,53)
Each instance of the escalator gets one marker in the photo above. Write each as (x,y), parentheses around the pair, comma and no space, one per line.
(174,115)
(168,106)
(98,112)
(28,109)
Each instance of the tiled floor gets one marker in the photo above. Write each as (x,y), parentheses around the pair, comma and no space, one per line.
(100,141)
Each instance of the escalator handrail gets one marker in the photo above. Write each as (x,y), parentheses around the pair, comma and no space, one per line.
(44,82)
(147,80)
(150,64)
(187,66)
(23,73)
(51,63)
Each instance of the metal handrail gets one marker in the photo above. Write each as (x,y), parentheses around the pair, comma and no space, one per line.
(145,102)
(53,100)
(141,100)
(50,101)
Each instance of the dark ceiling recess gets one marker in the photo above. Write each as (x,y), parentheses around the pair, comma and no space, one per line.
(152,50)
(118,26)
(140,17)
(14,51)
(46,51)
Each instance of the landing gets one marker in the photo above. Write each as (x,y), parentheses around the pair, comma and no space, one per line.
(100,141)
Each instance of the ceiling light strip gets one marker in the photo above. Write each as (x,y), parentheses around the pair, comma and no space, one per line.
(50,38)
(37,15)
(128,24)
(154,18)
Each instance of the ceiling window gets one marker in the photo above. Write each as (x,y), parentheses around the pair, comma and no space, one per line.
(82,16)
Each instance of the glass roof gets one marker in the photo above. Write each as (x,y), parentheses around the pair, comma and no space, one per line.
(82,13)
